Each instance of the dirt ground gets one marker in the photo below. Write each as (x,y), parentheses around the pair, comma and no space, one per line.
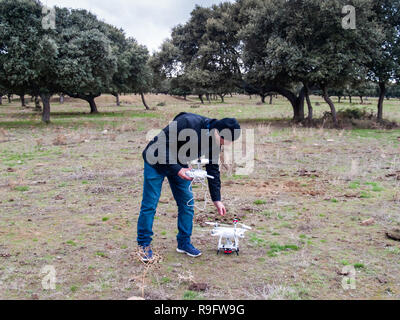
(319,202)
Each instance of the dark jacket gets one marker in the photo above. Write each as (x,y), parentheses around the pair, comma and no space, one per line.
(170,164)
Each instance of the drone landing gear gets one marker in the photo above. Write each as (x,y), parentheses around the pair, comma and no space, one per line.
(228,251)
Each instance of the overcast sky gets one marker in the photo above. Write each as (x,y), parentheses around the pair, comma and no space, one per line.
(148,21)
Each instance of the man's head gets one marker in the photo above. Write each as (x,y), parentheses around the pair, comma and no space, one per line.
(228,130)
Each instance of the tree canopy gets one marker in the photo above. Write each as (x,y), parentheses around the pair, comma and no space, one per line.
(262,47)
(82,56)
(287,47)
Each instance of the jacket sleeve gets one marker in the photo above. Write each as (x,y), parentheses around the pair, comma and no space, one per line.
(214,184)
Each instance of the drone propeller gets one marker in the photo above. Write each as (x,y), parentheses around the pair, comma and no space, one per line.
(244,226)
(217,224)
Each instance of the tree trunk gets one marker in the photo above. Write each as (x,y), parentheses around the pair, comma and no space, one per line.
(22,98)
(117,101)
(144,101)
(339,98)
(362,100)
(310,108)
(1,99)
(297,102)
(208,98)
(201,98)
(61,98)
(299,111)
(46,107)
(350,99)
(92,104)
(222,98)
(38,107)
(262,98)
(382,93)
(9,98)
(271,98)
(331,105)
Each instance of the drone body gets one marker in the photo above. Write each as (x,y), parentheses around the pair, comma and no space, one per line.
(229,237)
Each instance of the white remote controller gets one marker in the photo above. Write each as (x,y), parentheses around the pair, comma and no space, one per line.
(198,174)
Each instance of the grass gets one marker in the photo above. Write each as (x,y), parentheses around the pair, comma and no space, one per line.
(21,188)
(260,202)
(276,249)
(355,185)
(74,289)
(256,240)
(267,214)
(365,195)
(101,254)
(191,295)
(165,280)
(345,262)
(359,266)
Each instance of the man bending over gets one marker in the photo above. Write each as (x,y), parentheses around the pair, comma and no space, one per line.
(187,138)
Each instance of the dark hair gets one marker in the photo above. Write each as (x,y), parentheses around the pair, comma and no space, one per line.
(229,129)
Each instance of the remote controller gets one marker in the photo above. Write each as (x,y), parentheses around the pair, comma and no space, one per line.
(198,174)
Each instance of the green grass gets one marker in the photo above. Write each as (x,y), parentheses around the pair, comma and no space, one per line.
(354,185)
(101,254)
(74,289)
(12,158)
(365,195)
(21,188)
(191,295)
(238,177)
(266,213)
(375,186)
(389,135)
(255,239)
(165,280)
(359,265)
(276,249)
(344,262)
(260,202)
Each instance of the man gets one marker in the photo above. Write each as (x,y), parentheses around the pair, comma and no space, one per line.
(187,138)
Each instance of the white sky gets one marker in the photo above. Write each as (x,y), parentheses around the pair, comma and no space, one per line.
(148,21)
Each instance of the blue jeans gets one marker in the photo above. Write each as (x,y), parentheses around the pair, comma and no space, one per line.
(152,185)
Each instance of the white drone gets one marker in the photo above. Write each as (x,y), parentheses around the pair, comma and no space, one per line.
(228,236)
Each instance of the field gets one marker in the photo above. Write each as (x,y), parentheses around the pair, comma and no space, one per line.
(319,200)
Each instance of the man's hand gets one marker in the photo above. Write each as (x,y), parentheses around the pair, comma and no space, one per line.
(182,174)
(220,207)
